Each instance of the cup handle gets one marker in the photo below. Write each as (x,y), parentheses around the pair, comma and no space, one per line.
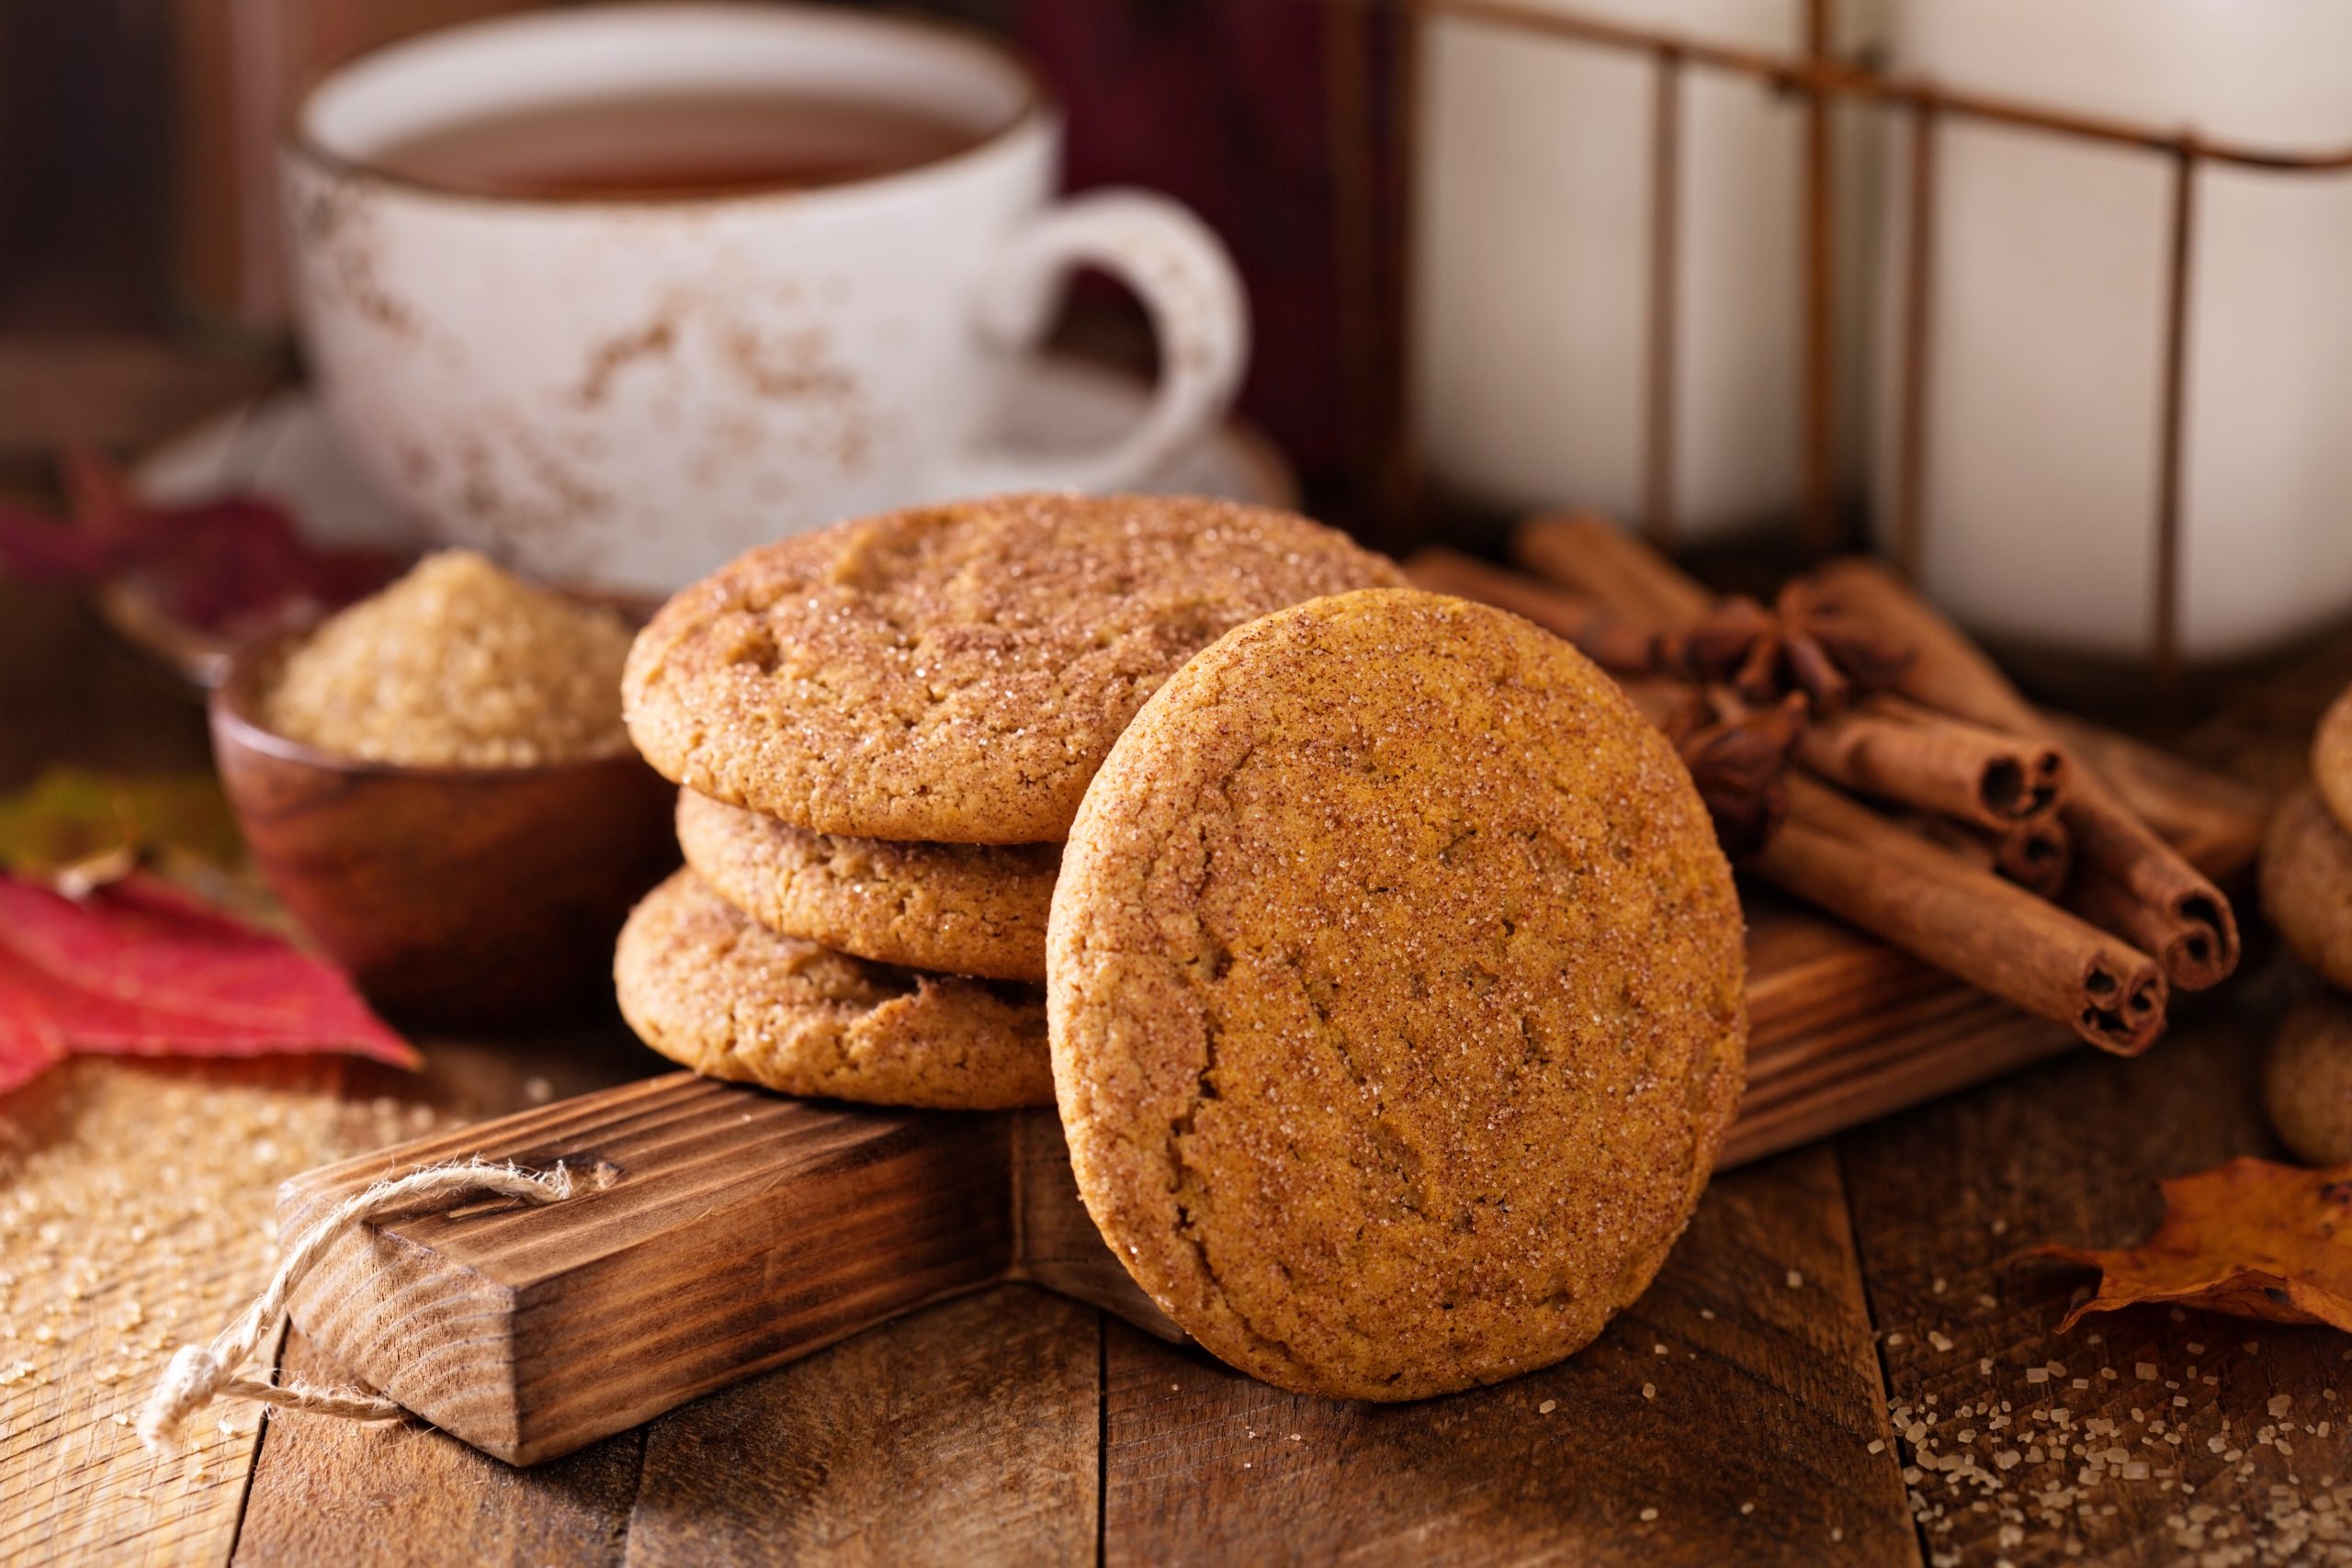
(1187,283)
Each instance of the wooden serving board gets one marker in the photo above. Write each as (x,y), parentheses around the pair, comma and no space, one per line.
(725,1231)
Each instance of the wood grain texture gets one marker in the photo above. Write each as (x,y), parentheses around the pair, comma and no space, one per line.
(130,1215)
(962,1434)
(723,1231)
(391,1494)
(1751,1443)
(1945,1198)
(1058,1247)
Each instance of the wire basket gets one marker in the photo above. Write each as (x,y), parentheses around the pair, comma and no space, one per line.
(1374,157)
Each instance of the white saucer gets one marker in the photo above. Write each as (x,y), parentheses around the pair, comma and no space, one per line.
(281,444)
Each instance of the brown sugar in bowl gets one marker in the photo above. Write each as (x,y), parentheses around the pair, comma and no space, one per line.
(458,895)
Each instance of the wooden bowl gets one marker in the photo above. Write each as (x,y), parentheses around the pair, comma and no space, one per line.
(452,895)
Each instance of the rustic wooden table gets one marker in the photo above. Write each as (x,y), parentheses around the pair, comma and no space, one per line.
(1841,1363)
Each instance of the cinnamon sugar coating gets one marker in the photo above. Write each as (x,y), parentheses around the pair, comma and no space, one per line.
(956,673)
(961,909)
(712,990)
(1397,997)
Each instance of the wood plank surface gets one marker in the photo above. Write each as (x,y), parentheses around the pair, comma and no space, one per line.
(964,1434)
(988,1427)
(2150,1435)
(389,1495)
(1726,1417)
(713,1231)
(131,1219)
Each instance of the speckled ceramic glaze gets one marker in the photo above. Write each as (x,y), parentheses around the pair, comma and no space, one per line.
(627,393)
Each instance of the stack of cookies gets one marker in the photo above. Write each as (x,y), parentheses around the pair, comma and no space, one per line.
(1394,986)
(882,733)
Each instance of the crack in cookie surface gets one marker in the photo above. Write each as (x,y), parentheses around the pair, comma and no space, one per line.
(1395,997)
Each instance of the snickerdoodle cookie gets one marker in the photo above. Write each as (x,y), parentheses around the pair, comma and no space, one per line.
(2332,757)
(2307,883)
(962,909)
(714,991)
(957,672)
(2307,1080)
(1397,997)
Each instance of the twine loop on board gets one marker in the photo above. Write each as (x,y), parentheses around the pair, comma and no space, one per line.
(198,1374)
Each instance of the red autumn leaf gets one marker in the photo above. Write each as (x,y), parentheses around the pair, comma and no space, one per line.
(139,967)
(236,565)
(26,1049)
(2251,1239)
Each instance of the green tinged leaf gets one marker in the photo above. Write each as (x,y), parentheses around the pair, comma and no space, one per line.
(76,829)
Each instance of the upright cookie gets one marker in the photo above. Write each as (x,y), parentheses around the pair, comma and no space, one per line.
(1397,997)
(960,909)
(2307,883)
(2332,757)
(711,989)
(956,673)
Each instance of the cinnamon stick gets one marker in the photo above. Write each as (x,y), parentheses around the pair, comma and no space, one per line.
(2134,882)
(2035,855)
(1963,919)
(1881,746)
(2038,856)
(1612,640)
(1899,751)
(1912,895)
(1592,556)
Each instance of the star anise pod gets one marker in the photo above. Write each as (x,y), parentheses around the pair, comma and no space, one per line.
(1737,756)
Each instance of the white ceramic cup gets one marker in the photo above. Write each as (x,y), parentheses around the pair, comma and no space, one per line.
(625,393)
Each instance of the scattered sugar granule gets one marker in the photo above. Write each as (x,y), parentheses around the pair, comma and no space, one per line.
(2280,1404)
(1657,1350)
(1938,1340)
(1748,1507)
(1648,1514)
(1649,1391)
(2144,1370)
(2036,1374)
(1545,1408)
(1796,1279)
(1878,1446)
